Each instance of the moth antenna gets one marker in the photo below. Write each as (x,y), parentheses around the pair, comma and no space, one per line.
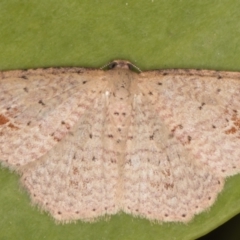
(137,68)
(105,66)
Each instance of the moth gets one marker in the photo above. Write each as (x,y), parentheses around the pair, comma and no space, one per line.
(89,143)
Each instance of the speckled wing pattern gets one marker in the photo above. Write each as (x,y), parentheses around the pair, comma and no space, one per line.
(89,143)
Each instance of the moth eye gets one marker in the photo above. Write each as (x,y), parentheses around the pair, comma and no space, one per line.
(112,65)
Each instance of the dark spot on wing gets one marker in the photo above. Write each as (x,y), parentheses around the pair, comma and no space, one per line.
(3,119)
(41,102)
(25,89)
(113,160)
(202,106)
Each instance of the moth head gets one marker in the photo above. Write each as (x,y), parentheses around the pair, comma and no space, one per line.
(121,64)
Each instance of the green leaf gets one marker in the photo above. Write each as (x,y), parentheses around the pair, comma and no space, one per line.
(153,34)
